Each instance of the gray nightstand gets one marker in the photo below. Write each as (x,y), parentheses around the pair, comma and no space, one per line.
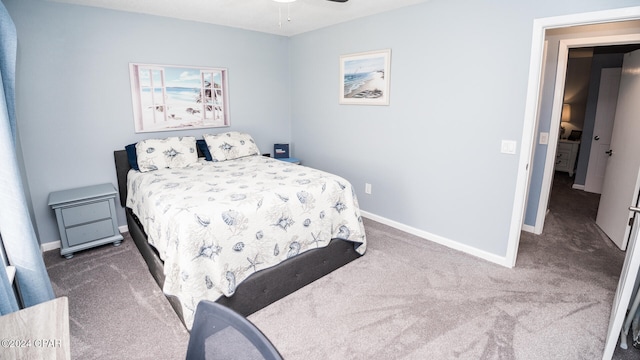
(86,217)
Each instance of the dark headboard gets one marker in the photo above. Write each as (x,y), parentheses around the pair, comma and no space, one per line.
(122,168)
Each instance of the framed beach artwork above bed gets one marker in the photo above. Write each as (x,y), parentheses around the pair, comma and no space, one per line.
(167,98)
(364,78)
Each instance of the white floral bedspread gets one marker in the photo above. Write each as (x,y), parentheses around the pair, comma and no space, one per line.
(216,223)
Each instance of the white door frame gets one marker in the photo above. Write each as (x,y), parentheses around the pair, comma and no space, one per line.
(556,111)
(531,112)
(622,299)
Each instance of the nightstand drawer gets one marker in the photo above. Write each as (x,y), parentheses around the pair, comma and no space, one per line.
(564,147)
(86,217)
(562,164)
(562,161)
(90,232)
(566,156)
(86,213)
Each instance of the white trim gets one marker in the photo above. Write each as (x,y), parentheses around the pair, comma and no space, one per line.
(532,100)
(438,239)
(527,143)
(556,111)
(123,228)
(577,186)
(53,245)
(528,228)
(552,146)
(543,69)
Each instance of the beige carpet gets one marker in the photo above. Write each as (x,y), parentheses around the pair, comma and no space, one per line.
(411,299)
(407,298)
(116,310)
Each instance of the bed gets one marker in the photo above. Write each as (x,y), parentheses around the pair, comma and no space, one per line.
(241,230)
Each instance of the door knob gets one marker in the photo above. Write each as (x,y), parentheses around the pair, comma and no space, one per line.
(596,138)
(609,152)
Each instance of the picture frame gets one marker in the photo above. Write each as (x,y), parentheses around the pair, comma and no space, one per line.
(169,97)
(364,78)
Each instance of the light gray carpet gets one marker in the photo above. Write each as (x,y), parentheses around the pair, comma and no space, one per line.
(411,299)
(406,298)
(116,310)
(414,300)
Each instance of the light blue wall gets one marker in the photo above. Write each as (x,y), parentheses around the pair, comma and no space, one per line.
(433,156)
(458,86)
(74,99)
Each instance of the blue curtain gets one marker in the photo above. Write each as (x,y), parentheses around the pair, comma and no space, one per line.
(18,236)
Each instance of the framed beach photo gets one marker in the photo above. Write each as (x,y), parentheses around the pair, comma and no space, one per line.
(364,78)
(167,98)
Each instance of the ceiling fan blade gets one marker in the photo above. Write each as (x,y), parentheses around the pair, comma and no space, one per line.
(341,1)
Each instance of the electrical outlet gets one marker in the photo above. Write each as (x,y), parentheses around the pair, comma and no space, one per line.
(367,188)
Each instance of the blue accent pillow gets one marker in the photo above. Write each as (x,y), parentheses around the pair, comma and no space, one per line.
(204,149)
(132,156)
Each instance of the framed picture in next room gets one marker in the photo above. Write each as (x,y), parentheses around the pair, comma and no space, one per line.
(167,98)
(364,78)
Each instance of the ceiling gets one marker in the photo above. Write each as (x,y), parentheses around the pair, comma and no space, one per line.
(260,15)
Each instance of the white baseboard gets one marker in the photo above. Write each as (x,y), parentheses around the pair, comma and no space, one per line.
(439,240)
(528,228)
(394,224)
(53,245)
(577,186)
(50,246)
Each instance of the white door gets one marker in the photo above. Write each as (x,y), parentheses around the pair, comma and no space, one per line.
(603,127)
(620,187)
(623,294)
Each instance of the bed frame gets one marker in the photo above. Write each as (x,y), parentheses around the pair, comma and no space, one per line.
(260,289)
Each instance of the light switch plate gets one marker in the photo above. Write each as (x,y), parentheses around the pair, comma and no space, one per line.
(544,138)
(508,147)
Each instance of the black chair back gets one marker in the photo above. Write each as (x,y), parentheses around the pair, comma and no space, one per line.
(220,333)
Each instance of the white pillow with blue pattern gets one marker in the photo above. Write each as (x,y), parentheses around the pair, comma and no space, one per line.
(171,152)
(230,145)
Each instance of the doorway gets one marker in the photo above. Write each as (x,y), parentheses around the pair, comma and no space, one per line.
(553,122)
(527,169)
(590,93)
(532,127)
